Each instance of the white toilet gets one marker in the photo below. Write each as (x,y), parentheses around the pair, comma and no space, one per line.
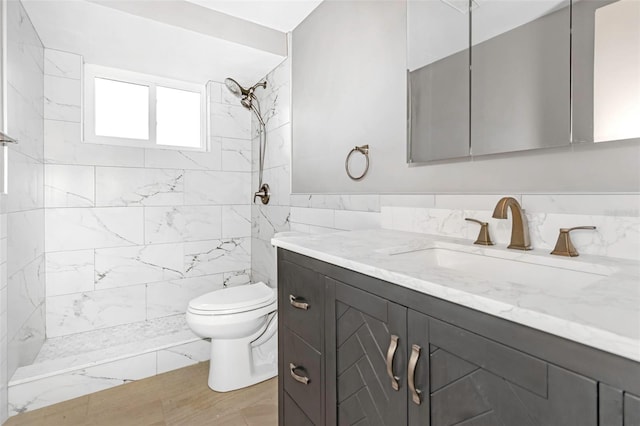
(242,323)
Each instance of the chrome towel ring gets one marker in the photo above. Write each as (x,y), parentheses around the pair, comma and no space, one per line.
(364,150)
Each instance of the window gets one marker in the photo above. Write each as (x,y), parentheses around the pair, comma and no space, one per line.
(132,109)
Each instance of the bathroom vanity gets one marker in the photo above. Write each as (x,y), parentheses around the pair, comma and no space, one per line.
(393,328)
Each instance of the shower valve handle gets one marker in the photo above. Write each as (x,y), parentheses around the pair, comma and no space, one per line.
(264,194)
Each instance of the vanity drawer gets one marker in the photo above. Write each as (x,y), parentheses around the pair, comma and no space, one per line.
(301,302)
(302,371)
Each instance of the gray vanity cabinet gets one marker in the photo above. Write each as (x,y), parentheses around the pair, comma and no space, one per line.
(387,355)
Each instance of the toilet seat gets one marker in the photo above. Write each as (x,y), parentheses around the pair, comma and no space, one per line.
(233,300)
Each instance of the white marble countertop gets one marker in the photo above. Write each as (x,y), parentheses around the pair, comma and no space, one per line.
(598,306)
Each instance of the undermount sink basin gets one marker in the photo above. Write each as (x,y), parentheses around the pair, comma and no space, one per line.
(516,268)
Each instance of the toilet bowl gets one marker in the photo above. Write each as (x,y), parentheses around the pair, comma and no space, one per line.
(242,323)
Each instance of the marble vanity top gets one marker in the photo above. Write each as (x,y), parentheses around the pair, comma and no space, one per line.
(588,299)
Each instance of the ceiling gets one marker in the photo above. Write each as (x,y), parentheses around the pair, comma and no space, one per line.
(196,40)
(281,15)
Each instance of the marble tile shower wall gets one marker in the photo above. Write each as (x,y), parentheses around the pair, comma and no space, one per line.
(268,219)
(23,296)
(4,373)
(133,234)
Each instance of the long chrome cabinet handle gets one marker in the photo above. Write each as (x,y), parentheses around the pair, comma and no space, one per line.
(302,379)
(391,353)
(298,304)
(411,374)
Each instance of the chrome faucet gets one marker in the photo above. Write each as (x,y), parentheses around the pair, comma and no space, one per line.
(519,229)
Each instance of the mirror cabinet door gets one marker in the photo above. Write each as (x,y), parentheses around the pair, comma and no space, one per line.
(438,80)
(520,75)
(606,70)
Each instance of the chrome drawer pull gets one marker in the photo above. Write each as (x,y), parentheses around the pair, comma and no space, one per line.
(391,353)
(302,379)
(297,304)
(411,374)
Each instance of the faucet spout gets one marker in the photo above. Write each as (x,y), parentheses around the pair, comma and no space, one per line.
(519,228)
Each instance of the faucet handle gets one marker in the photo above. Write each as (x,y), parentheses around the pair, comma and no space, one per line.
(564,246)
(484,239)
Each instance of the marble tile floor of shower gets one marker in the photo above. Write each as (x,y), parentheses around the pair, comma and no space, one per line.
(179,397)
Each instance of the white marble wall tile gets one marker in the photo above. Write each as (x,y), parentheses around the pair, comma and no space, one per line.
(63,145)
(217,256)
(26,292)
(236,221)
(23,35)
(124,266)
(62,64)
(23,346)
(187,160)
(24,68)
(214,89)
(183,355)
(275,99)
(263,261)
(41,393)
(352,220)
(26,177)
(230,121)
(24,123)
(236,155)
(69,186)
(172,297)
(279,180)
(118,186)
(269,220)
(471,201)
(237,278)
(278,148)
(357,202)
(25,240)
(583,204)
(69,272)
(427,221)
(217,187)
(83,228)
(182,223)
(309,216)
(62,99)
(75,313)
(408,200)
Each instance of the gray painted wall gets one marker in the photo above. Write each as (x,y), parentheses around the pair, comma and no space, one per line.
(348,88)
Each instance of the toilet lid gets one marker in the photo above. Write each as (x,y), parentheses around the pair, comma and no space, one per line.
(234,299)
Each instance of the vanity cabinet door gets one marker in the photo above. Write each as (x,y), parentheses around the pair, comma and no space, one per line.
(617,407)
(477,381)
(367,329)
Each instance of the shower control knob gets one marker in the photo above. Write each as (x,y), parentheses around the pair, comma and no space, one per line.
(263,193)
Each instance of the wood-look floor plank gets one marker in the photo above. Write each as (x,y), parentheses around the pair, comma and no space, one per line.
(179,397)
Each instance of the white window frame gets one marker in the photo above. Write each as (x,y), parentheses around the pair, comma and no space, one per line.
(91,72)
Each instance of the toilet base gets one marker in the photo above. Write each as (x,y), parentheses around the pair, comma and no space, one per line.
(236,364)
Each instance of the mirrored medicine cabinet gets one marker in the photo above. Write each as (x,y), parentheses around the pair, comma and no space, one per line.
(494,76)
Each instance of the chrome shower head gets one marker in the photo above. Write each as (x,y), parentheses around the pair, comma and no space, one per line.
(235,88)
